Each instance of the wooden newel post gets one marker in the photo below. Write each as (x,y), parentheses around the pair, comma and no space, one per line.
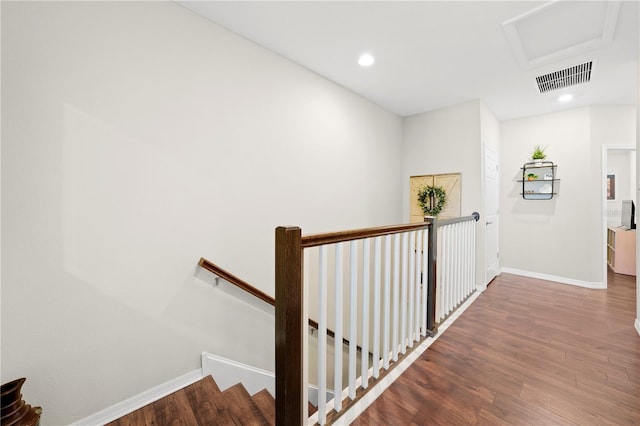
(432,264)
(289,327)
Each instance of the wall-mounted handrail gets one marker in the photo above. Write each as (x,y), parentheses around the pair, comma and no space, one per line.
(229,277)
(242,284)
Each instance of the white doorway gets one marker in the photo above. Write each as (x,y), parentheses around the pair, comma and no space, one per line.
(618,184)
(491,191)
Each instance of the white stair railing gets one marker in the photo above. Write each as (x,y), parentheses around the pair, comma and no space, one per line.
(456,264)
(369,309)
(380,295)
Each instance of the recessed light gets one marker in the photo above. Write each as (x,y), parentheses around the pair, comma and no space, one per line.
(565,98)
(366,60)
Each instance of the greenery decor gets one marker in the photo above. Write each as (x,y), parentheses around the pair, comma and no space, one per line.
(538,153)
(432,200)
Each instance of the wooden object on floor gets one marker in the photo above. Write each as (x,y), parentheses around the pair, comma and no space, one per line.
(14,411)
(202,403)
(526,351)
(621,250)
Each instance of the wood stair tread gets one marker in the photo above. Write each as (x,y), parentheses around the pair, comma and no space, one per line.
(206,403)
(241,408)
(311,409)
(267,405)
(201,403)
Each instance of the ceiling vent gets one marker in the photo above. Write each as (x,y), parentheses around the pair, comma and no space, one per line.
(571,76)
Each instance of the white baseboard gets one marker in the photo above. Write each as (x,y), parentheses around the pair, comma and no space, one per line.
(227,373)
(358,408)
(555,278)
(637,325)
(118,410)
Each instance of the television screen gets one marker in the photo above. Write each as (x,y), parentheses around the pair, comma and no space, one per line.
(628,214)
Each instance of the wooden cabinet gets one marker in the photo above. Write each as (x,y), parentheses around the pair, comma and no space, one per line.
(539,180)
(621,250)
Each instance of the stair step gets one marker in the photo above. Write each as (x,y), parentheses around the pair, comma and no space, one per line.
(200,403)
(241,407)
(174,409)
(207,403)
(267,405)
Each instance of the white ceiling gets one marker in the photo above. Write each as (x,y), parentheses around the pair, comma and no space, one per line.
(431,54)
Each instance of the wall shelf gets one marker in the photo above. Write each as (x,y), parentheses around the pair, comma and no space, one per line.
(538,180)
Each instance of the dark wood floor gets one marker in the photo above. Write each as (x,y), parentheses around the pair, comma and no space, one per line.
(526,352)
(203,404)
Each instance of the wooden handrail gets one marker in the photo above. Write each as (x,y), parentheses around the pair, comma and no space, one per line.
(357,234)
(242,284)
(228,276)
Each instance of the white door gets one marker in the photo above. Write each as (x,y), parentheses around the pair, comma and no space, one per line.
(491,185)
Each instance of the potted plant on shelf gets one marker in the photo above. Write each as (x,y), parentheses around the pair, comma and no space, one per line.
(538,154)
(532,176)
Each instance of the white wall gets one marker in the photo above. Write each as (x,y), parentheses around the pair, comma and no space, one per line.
(447,140)
(561,237)
(620,163)
(136,138)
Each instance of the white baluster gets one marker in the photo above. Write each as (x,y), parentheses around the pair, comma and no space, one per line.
(376,308)
(454,266)
(338,352)
(396,292)
(459,266)
(412,284)
(445,271)
(464,260)
(425,278)
(322,337)
(467,242)
(418,293)
(416,321)
(403,297)
(473,256)
(364,364)
(450,284)
(462,250)
(386,301)
(353,316)
(446,267)
(440,275)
